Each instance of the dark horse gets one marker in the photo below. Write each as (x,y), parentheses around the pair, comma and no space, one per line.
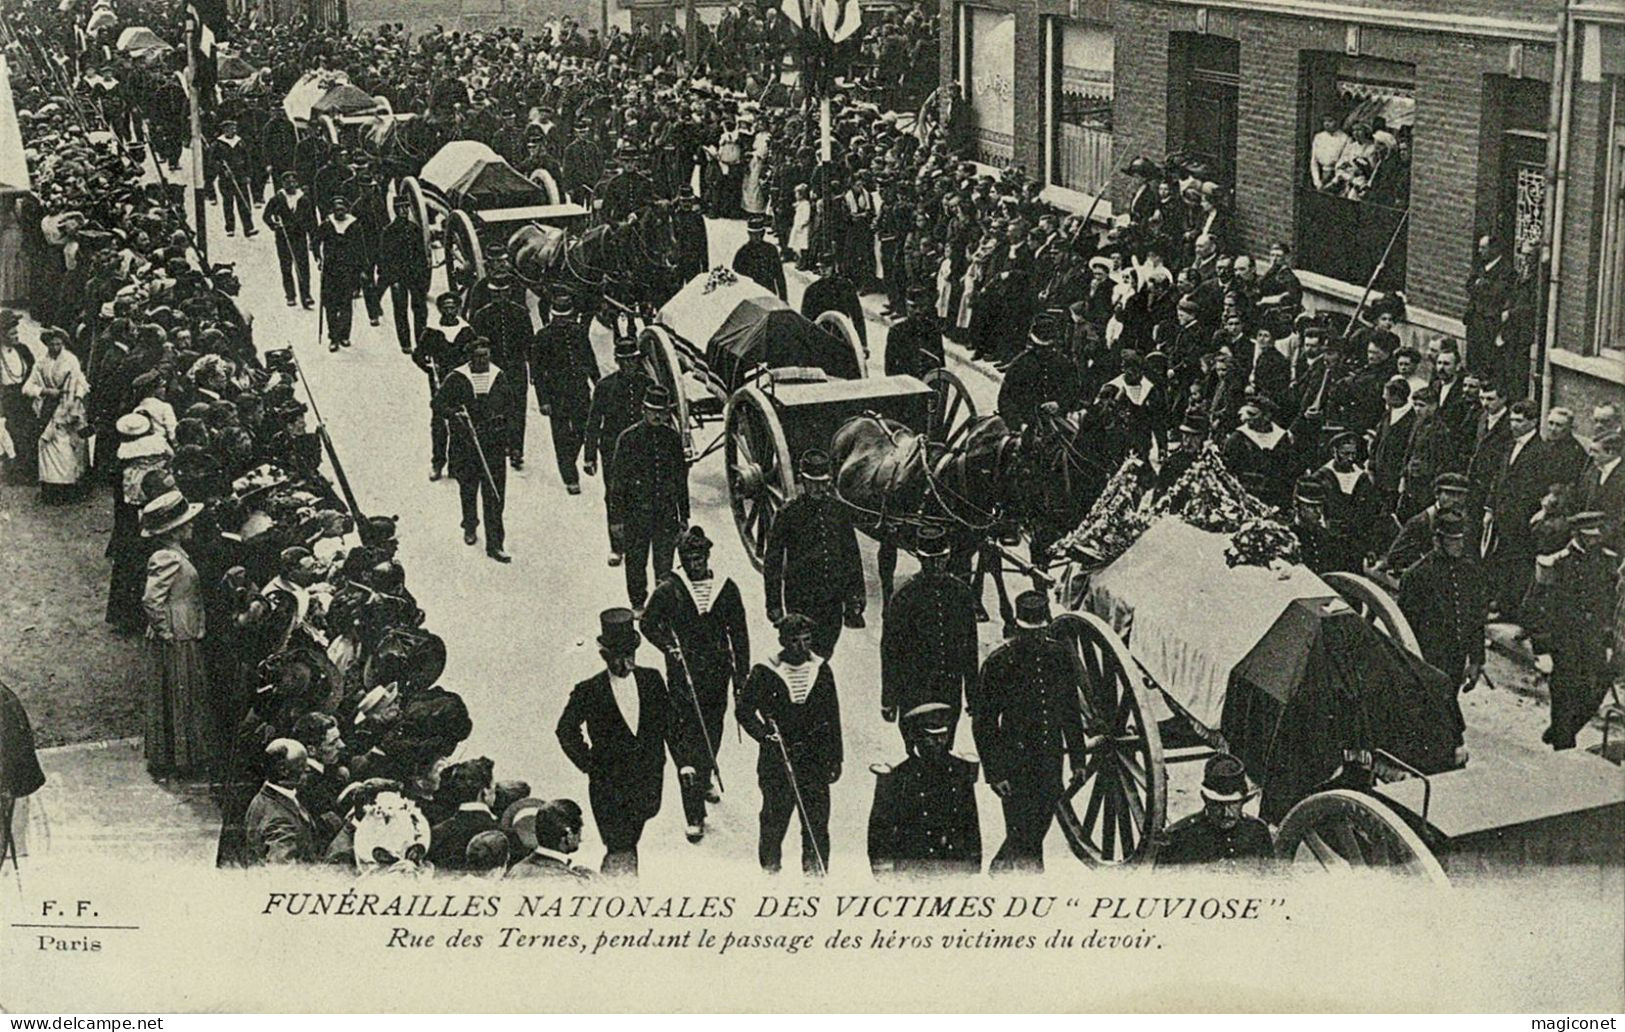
(627,262)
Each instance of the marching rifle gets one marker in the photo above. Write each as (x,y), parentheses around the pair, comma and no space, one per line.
(327,440)
(474,435)
(795,790)
(694,697)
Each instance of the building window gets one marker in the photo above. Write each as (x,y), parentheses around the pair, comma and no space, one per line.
(1355,186)
(989,67)
(1205,75)
(1610,336)
(1080,108)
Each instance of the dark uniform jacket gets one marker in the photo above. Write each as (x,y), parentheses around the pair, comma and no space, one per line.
(924,818)
(914,346)
(439,354)
(562,361)
(811,730)
(295,221)
(834,293)
(648,485)
(1026,717)
(1197,840)
(1446,601)
(488,413)
(617,403)
(1519,487)
(715,645)
(759,260)
(1037,376)
(505,322)
(812,556)
(345,254)
(928,648)
(401,258)
(625,771)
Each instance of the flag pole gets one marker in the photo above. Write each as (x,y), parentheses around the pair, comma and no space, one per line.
(199,207)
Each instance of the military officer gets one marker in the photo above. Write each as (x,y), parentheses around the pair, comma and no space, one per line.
(648,493)
(367,205)
(1026,722)
(403,270)
(441,349)
(811,564)
(698,620)
(928,650)
(565,371)
(1039,375)
(924,818)
(1445,596)
(1575,599)
(1220,833)
(344,259)
(759,260)
(790,707)
(1309,521)
(473,400)
(504,321)
(914,344)
(617,403)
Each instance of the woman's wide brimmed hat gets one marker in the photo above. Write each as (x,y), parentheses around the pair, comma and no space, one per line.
(169,511)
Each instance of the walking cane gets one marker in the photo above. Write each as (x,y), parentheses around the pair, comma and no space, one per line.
(490,480)
(694,697)
(795,789)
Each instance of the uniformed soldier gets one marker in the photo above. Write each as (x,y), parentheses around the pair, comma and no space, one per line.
(924,818)
(914,344)
(1445,596)
(292,217)
(504,321)
(566,372)
(648,493)
(1309,521)
(1026,721)
(403,270)
(698,620)
(333,178)
(1353,506)
(692,251)
(790,707)
(441,349)
(832,291)
(230,155)
(343,258)
(1039,375)
(617,403)
(474,402)
(1220,834)
(928,648)
(367,205)
(759,260)
(1574,600)
(811,564)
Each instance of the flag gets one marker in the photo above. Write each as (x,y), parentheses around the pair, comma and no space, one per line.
(841,18)
(206,23)
(791,9)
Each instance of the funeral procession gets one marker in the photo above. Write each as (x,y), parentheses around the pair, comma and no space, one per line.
(448,439)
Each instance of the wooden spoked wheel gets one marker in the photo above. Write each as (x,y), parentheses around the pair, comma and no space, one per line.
(1343,830)
(418,205)
(761,480)
(664,367)
(952,410)
(839,326)
(465,258)
(1113,809)
(1376,606)
(543,178)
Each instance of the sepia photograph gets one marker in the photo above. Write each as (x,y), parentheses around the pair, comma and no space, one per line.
(812,506)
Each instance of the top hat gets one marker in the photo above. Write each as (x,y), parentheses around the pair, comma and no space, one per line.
(694,540)
(930,540)
(815,464)
(1224,779)
(657,397)
(167,512)
(626,347)
(617,633)
(1032,610)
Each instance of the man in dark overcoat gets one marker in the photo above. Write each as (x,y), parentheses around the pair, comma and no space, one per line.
(928,650)
(924,818)
(811,564)
(617,404)
(1573,606)
(648,493)
(565,372)
(504,321)
(1445,596)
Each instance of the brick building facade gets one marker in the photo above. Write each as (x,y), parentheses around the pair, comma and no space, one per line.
(1476,89)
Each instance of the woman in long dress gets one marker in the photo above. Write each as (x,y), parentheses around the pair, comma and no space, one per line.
(180,732)
(58,388)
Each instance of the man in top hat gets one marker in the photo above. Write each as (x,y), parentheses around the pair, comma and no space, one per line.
(474,402)
(617,403)
(759,260)
(1417,536)
(403,270)
(924,818)
(1353,507)
(345,260)
(790,707)
(292,217)
(928,645)
(1039,375)
(1026,722)
(1219,833)
(615,729)
(1571,611)
(555,831)
(565,371)
(648,493)
(698,620)
(811,564)
(914,344)
(504,321)
(1445,596)
(1391,441)
(442,348)
(230,155)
